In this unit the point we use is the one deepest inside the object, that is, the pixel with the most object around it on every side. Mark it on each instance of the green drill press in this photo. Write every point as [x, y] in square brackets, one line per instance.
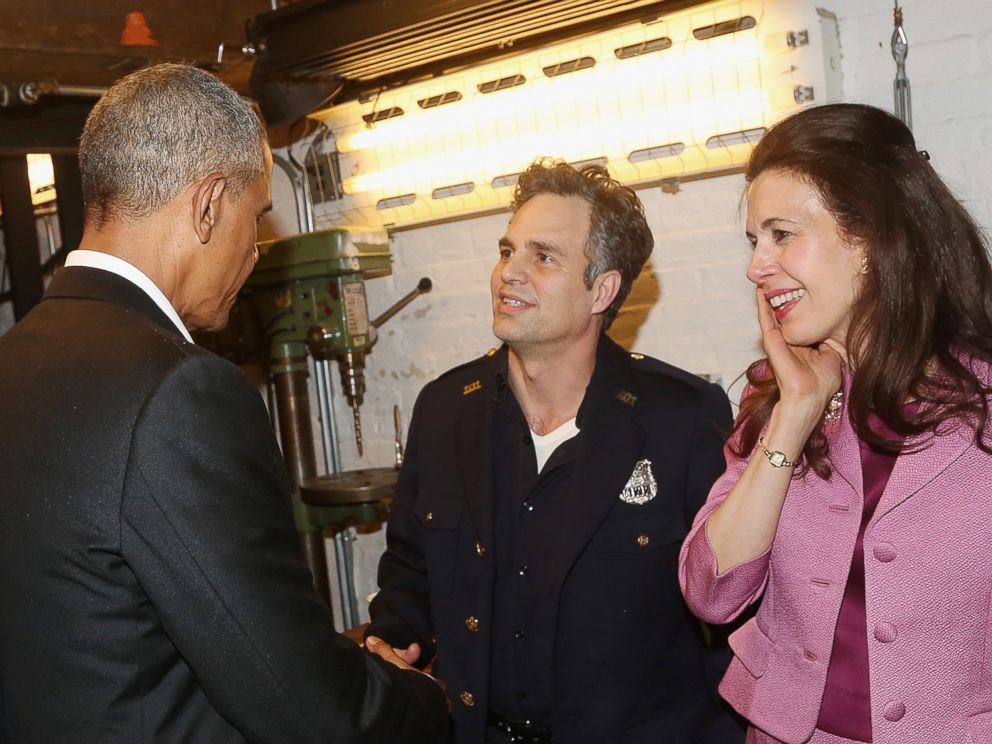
[307, 294]
[308, 290]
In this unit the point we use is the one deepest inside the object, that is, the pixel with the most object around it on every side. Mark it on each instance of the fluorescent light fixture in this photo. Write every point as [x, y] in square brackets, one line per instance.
[689, 93]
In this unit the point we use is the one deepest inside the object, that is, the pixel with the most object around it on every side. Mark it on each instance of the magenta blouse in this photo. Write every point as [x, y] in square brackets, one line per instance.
[846, 706]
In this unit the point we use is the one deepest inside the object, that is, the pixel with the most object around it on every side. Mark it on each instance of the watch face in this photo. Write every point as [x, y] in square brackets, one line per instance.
[776, 458]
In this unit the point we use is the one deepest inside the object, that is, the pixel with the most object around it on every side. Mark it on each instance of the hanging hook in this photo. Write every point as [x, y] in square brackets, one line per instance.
[900, 87]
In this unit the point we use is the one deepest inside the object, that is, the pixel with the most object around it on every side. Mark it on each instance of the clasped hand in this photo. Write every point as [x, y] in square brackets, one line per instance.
[402, 658]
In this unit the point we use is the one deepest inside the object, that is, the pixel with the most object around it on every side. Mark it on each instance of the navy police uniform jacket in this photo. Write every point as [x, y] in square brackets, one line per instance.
[630, 663]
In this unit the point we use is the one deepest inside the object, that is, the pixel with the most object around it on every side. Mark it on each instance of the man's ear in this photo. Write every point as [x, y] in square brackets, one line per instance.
[605, 288]
[206, 205]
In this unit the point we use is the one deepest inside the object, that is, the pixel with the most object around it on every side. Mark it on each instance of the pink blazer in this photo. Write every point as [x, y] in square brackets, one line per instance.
[928, 591]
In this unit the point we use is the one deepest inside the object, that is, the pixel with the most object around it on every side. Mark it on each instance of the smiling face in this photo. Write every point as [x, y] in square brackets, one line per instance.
[539, 294]
[807, 272]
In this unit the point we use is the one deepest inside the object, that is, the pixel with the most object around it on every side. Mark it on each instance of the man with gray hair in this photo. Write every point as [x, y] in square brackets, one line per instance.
[153, 588]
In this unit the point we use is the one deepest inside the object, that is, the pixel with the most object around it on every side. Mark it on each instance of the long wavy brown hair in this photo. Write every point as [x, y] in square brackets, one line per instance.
[924, 311]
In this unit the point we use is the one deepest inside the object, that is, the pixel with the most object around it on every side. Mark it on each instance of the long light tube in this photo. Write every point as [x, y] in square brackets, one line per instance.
[721, 74]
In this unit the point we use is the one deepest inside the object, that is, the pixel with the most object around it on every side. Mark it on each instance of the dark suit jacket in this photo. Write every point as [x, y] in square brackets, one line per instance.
[153, 588]
[629, 662]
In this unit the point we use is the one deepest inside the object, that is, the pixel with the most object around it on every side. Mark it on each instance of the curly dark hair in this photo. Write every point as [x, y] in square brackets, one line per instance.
[619, 236]
[924, 312]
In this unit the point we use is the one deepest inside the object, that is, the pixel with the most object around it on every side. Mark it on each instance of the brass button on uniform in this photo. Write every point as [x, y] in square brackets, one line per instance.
[472, 623]
[643, 540]
[481, 550]
[428, 516]
[467, 699]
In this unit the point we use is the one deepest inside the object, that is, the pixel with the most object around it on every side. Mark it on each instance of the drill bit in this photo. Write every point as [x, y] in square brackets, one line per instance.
[358, 426]
[351, 364]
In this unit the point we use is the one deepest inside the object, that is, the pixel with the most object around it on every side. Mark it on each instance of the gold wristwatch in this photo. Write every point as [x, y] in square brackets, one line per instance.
[776, 458]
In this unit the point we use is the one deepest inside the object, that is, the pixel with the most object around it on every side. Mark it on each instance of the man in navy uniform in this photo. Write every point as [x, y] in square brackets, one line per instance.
[534, 537]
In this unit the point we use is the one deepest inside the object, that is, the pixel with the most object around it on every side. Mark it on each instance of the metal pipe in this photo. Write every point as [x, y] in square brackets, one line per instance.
[301, 214]
[30, 92]
[296, 434]
[294, 424]
[347, 610]
[305, 184]
[328, 425]
[349, 564]
[83, 91]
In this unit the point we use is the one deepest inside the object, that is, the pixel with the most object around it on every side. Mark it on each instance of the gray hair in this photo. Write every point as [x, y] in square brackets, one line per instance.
[159, 129]
[619, 236]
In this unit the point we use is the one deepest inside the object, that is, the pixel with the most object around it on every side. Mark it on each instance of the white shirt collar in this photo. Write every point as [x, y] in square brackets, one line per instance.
[115, 265]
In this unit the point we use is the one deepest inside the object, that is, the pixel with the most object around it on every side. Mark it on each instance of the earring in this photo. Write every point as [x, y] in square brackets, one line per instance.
[832, 412]
[864, 264]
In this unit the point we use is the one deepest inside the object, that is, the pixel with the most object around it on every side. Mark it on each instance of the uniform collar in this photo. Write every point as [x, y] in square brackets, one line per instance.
[611, 377]
[612, 382]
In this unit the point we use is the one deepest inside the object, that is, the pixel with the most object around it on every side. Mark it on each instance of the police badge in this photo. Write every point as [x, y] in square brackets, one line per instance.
[642, 487]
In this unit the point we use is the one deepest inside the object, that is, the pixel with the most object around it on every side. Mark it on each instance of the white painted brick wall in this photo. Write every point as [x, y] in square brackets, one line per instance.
[692, 305]
[950, 71]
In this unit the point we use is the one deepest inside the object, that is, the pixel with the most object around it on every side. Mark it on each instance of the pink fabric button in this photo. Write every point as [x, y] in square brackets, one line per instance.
[885, 632]
[894, 711]
[884, 552]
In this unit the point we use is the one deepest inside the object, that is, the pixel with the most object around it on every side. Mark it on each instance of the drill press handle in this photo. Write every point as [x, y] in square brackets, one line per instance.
[423, 287]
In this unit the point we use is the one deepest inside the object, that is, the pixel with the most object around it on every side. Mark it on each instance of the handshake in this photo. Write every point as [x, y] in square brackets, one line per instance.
[403, 658]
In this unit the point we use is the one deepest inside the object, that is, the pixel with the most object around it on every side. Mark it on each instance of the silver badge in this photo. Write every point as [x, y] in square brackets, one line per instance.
[642, 487]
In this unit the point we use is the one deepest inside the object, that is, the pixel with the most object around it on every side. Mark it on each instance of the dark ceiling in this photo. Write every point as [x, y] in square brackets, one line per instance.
[309, 51]
[78, 42]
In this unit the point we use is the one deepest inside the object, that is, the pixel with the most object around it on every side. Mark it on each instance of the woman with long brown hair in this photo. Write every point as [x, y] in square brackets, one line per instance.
[857, 501]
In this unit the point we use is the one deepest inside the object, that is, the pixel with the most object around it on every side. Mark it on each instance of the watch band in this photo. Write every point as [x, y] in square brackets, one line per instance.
[776, 458]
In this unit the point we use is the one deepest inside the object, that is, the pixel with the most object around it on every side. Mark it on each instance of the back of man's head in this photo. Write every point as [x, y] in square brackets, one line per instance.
[619, 236]
[158, 130]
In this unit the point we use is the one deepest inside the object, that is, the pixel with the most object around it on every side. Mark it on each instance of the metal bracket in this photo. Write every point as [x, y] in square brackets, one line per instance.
[803, 93]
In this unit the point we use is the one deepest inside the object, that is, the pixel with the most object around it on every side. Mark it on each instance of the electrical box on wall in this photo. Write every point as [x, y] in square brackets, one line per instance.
[686, 93]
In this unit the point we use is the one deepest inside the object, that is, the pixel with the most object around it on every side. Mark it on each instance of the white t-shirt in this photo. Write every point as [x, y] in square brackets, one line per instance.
[545, 445]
